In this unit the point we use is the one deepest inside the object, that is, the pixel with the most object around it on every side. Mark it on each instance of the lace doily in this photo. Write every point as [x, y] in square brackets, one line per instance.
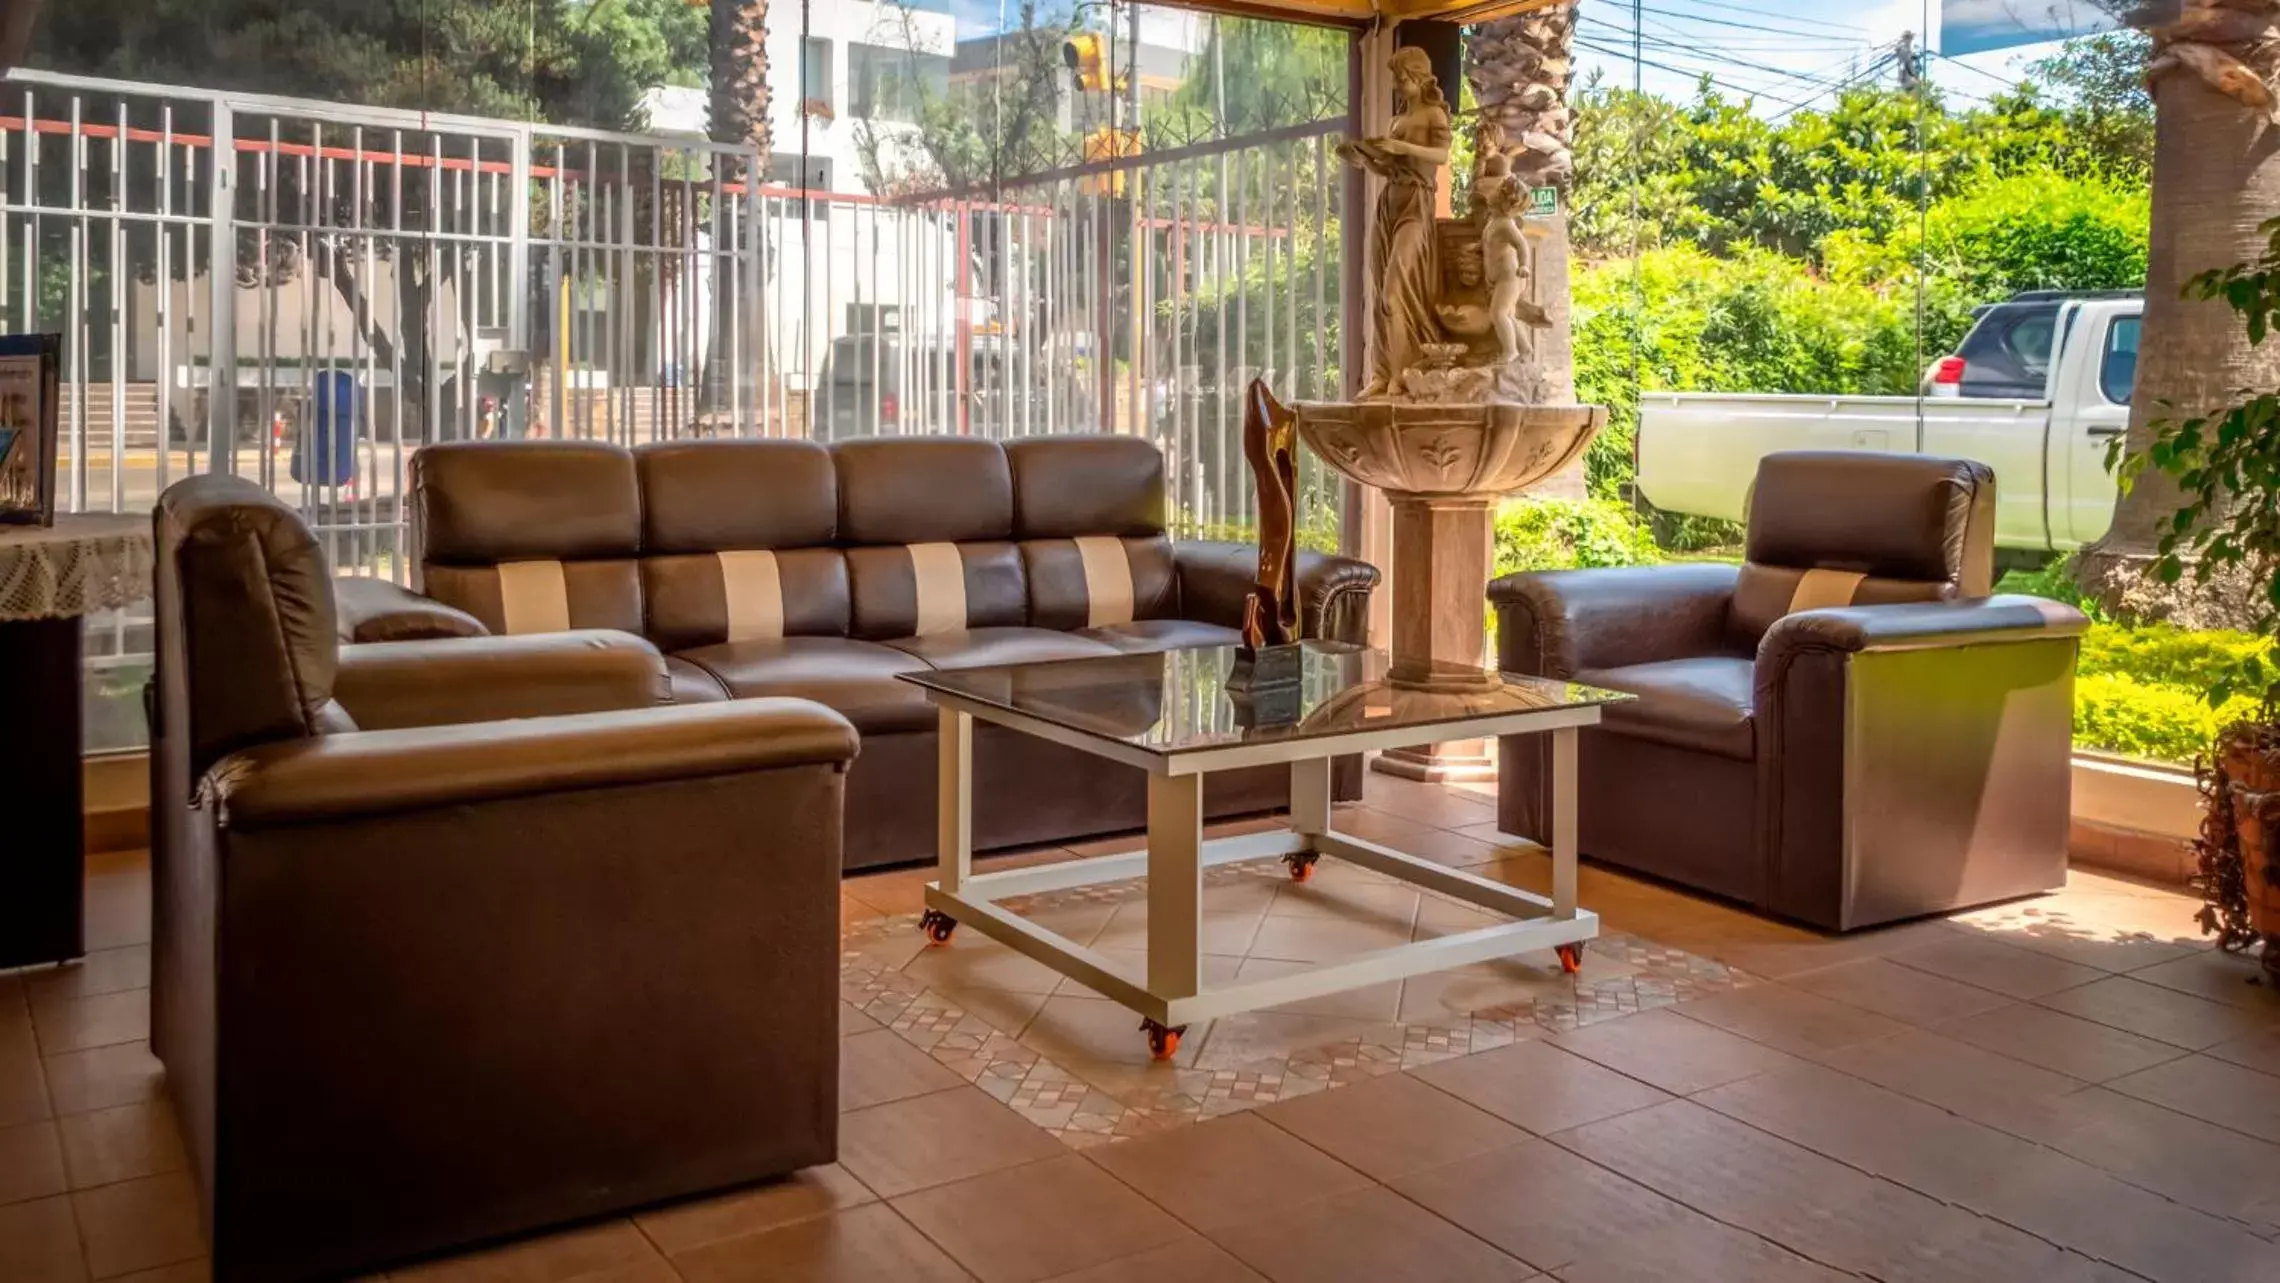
[84, 563]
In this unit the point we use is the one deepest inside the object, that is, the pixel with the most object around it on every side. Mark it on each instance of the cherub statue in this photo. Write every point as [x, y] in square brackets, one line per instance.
[1504, 255]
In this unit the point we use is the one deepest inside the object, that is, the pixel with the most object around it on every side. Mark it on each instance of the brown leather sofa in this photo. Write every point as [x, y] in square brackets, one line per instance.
[1846, 730]
[453, 940]
[778, 567]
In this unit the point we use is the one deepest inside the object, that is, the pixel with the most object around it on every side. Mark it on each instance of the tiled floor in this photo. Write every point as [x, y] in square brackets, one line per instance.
[2069, 1089]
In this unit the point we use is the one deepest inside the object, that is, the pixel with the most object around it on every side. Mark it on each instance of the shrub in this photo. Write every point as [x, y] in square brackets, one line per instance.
[2117, 713]
[1570, 534]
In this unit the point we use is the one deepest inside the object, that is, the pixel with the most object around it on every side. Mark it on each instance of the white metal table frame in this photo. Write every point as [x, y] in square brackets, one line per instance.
[1172, 994]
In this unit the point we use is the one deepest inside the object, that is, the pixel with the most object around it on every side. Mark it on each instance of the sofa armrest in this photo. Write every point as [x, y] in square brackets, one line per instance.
[1918, 626]
[1557, 623]
[1333, 591]
[376, 610]
[396, 685]
[361, 773]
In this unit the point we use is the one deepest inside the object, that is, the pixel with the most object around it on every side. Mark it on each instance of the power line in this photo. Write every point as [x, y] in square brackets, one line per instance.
[1744, 9]
[1695, 74]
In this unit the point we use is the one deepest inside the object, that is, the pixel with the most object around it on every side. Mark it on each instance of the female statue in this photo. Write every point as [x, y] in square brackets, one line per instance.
[1402, 258]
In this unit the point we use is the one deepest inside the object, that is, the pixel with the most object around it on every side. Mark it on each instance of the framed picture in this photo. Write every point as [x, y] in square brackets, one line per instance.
[29, 367]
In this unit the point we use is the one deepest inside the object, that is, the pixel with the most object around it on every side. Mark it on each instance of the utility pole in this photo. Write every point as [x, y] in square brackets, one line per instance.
[1911, 66]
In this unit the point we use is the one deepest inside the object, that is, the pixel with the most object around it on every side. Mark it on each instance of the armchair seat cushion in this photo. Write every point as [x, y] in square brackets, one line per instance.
[1706, 703]
[855, 677]
[990, 647]
[1149, 636]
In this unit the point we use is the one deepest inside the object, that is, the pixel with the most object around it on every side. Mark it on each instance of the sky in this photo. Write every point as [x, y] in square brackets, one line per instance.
[1786, 53]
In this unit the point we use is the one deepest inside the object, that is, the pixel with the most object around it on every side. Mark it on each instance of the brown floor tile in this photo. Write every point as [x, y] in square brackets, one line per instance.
[117, 913]
[1195, 1260]
[862, 1245]
[911, 1144]
[31, 1162]
[2013, 972]
[1542, 1204]
[2212, 1090]
[104, 971]
[1365, 1237]
[75, 1024]
[2258, 1051]
[1667, 1050]
[1955, 1076]
[1441, 995]
[39, 1243]
[1777, 951]
[1428, 803]
[878, 1067]
[1336, 891]
[1903, 993]
[852, 1022]
[1540, 1087]
[101, 1077]
[1391, 1126]
[139, 1224]
[23, 1088]
[1084, 1032]
[1262, 1035]
[1309, 939]
[1425, 841]
[2231, 978]
[1034, 1222]
[2106, 950]
[2202, 1165]
[2181, 1019]
[1699, 1250]
[1819, 1208]
[611, 1249]
[2071, 1203]
[1788, 1019]
[2073, 1046]
[1379, 1003]
[1228, 1171]
[818, 1191]
[974, 961]
[1227, 934]
[897, 891]
[121, 1143]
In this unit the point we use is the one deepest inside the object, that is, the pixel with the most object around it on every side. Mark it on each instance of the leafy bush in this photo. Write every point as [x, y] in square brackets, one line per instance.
[1569, 534]
[2117, 713]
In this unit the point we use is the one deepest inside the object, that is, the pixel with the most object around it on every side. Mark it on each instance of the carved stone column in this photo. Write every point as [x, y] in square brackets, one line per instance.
[1442, 551]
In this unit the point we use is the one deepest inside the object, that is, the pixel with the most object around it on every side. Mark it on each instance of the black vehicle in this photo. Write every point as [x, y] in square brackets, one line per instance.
[2008, 352]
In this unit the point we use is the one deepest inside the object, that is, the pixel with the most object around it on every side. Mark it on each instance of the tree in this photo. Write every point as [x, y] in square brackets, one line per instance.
[2216, 178]
[737, 38]
[2109, 103]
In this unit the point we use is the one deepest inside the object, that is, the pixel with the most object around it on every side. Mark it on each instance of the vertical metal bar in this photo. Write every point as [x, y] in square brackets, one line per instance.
[1175, 885]
[221, 307]
[163, 165]
[118, 305]
[954, 800]
[1564, 742]
[75, 314]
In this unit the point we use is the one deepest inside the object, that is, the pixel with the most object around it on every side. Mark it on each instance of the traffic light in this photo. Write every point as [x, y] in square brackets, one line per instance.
[1108, 144]
[1083, 55]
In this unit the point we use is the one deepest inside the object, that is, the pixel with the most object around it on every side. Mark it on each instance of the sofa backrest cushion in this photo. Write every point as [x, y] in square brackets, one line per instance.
[1064, 487]
[1831, 528]
[923, 490]
[913, 590]
[1091, 581]
[531, 536]
[739, 542]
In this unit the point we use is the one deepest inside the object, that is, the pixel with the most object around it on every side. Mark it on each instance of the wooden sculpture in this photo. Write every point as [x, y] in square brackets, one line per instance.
[1270, 444]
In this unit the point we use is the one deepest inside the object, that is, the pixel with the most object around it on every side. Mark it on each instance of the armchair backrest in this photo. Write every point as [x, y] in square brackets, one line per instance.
[247, 643]
[1833, 528]
[530, 536]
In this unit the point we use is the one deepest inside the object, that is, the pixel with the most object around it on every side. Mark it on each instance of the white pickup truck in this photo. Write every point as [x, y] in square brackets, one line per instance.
[1698, 452]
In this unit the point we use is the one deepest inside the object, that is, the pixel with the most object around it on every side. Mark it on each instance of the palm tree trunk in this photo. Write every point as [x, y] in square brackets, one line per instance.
[1520, 68]
[738, 35]
[2216, 178]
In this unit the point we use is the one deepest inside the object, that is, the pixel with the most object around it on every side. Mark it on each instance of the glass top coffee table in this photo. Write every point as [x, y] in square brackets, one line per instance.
[1171, 715]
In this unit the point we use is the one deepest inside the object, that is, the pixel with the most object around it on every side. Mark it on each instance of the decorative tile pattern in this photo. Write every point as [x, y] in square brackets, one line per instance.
[1275, 1057]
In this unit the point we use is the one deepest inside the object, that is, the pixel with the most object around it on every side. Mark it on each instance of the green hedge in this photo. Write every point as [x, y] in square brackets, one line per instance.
[1570, 534]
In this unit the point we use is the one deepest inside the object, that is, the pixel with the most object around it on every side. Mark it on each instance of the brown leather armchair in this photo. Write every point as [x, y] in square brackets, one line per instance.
[456, 939]
[1846, 730]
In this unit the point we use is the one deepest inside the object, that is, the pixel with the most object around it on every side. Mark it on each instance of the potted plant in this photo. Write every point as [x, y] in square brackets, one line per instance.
[2227, 466]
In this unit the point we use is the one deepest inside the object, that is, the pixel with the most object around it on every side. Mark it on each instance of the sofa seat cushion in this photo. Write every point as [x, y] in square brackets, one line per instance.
[1707, 703]
[858, 678]
[990, 647]
[1148, 636]
[692, 684]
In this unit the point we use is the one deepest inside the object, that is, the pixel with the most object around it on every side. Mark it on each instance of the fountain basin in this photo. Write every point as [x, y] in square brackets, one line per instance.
[1447, 451]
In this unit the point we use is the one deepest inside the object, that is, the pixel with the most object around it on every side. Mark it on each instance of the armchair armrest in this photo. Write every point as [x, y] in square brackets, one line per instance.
[1557, 623]
[1918, 626]
[394, 685]
[376, 610]
[1333, 591]
[361, 773]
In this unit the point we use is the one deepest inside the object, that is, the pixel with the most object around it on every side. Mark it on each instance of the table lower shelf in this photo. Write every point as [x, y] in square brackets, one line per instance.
[1538, 925]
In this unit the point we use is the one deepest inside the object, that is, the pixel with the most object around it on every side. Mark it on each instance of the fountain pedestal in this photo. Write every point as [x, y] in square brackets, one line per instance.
[1444, 468]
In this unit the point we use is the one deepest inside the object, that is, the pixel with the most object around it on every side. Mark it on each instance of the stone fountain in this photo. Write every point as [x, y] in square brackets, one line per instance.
[1453, 417]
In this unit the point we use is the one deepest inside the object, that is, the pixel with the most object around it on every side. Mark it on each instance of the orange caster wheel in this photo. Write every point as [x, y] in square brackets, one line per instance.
[1163, 1042]
[1301, 865]
[938, 926]
[1571, 958]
